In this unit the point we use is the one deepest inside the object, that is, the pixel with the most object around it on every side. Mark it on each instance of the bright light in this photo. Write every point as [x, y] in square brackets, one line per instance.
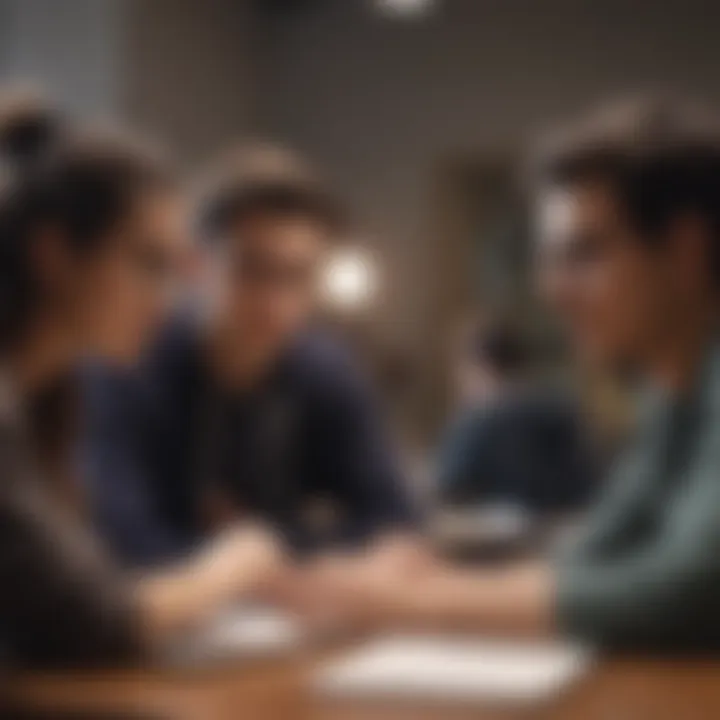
[405, 8]
[349, 280]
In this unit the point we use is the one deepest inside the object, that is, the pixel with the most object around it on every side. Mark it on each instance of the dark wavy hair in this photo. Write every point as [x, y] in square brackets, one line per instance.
[80, 182]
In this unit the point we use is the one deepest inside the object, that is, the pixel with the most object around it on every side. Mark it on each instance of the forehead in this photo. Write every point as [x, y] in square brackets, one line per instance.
[162, 215]
[566, 211]
[277, 232]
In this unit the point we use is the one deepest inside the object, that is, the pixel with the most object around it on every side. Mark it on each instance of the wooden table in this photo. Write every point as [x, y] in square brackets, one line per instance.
[278, 690]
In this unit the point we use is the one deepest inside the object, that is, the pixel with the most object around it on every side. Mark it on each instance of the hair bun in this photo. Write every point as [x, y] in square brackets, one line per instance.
[29, 128]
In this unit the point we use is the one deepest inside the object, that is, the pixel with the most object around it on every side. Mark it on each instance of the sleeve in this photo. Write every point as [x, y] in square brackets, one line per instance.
[655, 593]
[621, 501]
[351, 459]
[61, 604]
[115, 465]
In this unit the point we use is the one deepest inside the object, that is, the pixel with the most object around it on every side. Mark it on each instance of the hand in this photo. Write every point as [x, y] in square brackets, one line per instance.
[239, 562]
[352, 598]
[516, 600]
[245, 557]
[352, 590]
[391, 558]
[400, 555]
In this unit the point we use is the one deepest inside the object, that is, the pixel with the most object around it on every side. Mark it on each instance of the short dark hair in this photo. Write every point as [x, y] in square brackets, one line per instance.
[500, 345]
[659, 155]
[264, 179]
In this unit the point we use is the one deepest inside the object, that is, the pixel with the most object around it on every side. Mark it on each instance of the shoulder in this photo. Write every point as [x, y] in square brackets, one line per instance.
[169, 360]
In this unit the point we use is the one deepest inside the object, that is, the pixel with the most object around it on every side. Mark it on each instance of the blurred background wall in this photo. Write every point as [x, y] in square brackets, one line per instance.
[405, 114]
[72, 47]
[391, 106]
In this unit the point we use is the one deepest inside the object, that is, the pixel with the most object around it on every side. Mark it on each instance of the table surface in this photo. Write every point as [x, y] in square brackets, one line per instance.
[621, 689]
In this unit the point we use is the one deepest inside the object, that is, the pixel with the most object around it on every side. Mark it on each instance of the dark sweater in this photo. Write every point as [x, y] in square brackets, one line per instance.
[160, 437]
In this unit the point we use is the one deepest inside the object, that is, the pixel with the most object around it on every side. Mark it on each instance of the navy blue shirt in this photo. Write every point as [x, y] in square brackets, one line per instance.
[303, 450]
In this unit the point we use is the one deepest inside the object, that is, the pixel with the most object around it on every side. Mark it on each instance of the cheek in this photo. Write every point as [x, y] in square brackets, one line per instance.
[123, 312]
[272, 315]
[293, 308]
[278, 311]
[568, 291]
[611, 306]
[591, 298]
[632, 297]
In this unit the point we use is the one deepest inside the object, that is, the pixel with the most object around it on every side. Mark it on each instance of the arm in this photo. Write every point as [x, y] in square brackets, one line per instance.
[618, 508]
[350, 458]
[517, 601]
[63, 604]
[659, 592]
[237, 563]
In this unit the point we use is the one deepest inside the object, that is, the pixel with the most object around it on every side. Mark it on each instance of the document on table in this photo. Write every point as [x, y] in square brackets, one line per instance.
[457, 670]
[243, 632]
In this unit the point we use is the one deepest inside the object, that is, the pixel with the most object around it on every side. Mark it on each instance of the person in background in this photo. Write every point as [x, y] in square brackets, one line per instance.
[629, 217]
[242, 409]
[88, 239]
[513, 443]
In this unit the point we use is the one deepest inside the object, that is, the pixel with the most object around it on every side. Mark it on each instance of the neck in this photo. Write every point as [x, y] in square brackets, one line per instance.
[674, 363]
[234, 361]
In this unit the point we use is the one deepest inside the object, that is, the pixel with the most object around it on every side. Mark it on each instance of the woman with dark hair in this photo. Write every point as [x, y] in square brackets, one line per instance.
[89, 234]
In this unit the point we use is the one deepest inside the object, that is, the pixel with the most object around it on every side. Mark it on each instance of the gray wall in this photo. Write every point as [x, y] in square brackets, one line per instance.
[188, 72]
[5, 35]
[177, 68]
[70, 47]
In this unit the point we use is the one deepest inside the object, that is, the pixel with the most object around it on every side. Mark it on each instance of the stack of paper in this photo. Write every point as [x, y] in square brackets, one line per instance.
[450, 669]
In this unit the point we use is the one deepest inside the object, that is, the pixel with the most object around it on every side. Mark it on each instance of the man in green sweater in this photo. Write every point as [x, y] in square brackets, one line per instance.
[628, 208]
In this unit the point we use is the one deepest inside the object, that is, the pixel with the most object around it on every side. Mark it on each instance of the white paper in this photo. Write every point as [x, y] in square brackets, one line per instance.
[452, 669]
[243, 632]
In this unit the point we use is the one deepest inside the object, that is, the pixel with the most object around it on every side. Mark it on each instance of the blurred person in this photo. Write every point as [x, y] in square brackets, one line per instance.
[629, 212]
[513, 442]
[242, 408]
[88, 237]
